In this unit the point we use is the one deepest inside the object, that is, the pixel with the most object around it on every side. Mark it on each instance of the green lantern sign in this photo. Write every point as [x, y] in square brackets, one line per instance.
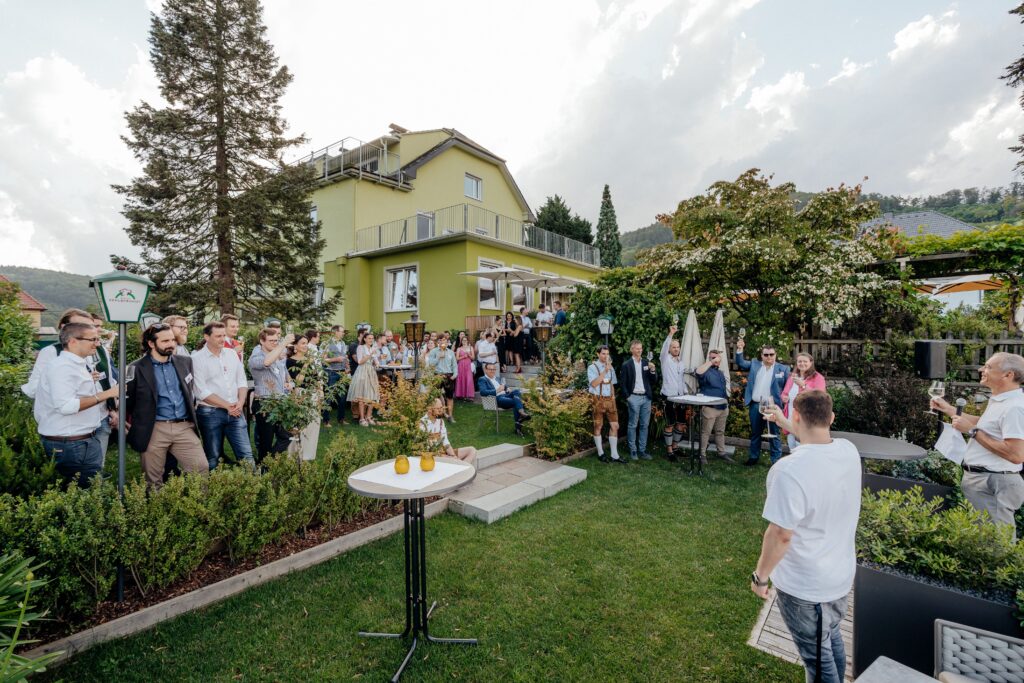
[122, 295]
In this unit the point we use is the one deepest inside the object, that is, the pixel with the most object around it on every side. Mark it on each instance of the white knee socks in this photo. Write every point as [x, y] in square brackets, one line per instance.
[600, 448]
[613, 441]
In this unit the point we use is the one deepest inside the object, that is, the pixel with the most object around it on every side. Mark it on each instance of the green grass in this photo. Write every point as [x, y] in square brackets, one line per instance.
[638, 573]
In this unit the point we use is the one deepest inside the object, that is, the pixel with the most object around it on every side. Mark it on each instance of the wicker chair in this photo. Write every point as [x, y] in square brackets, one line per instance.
[490, 404]
[964, 653]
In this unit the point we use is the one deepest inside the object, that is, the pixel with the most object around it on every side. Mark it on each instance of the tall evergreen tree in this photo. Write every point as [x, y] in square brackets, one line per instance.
[220, 219]
[608, 233]
[1014, 78]
[556, 217]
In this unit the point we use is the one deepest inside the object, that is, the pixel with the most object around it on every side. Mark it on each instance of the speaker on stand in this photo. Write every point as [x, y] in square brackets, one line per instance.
[930, 363]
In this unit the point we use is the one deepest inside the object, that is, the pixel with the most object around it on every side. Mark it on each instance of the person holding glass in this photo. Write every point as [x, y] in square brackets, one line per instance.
[805, 377]
[765, 380]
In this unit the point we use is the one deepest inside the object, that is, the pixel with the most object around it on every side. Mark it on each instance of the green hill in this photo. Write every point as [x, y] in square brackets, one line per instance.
[54, 289]
[643, 238]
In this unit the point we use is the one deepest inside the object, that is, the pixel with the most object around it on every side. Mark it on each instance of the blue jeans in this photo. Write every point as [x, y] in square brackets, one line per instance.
[215, 424]
[82, 457]
[801, 619]
[511, 400]
[757, 428]
[639, 418]
[333, 377]
[103, 436]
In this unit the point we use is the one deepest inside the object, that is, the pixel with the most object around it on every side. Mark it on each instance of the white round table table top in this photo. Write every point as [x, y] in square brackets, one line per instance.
[698, 400]
[438, 488]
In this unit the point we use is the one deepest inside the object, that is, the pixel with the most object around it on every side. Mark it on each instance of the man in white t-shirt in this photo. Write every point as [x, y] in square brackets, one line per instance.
[992, 464]
[809, 549]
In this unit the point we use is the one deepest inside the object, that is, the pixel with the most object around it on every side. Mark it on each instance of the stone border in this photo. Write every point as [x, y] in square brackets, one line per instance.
[148, 617]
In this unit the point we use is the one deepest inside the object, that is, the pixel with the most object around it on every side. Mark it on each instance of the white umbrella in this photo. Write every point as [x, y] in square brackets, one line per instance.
[544, 282]
[717, 341]
[503, 274]
[692, 351]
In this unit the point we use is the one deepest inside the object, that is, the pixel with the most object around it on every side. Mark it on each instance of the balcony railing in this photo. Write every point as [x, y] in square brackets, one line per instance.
[473, 220]
[353, 157]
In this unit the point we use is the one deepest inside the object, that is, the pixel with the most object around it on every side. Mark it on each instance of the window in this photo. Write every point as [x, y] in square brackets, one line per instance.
[490, 291]
[521, 296]
[474, 187]
[402, 287]
[313, 230]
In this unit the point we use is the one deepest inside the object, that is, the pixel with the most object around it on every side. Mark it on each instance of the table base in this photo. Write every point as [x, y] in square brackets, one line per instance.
[417, 614]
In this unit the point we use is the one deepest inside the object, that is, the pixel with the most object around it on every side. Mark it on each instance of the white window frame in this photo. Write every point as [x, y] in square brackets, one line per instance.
[528, 291]
[546, 298]
[479, 186]
[415, 265]
[499, 288]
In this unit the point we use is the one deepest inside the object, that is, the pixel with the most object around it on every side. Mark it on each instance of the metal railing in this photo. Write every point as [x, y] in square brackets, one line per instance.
[354, 157]
[473, 220]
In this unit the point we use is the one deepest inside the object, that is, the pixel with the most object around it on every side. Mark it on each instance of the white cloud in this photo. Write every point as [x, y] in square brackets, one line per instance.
[775, 102]
[849, 69]
[20, 246]
[925, 31]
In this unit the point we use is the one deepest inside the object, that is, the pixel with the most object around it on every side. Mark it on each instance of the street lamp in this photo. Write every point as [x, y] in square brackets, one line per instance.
[122, 296]
[605, 326]
[542, 334]
[415, 330]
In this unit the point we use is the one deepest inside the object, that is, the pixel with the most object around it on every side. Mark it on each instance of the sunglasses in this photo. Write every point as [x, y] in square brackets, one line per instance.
[767, 355]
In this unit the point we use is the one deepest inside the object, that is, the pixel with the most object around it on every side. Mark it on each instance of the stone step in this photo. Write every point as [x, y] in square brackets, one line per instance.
[495, 455]
[511, 486]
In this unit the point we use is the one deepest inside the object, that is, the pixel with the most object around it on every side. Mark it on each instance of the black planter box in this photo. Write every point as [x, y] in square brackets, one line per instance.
[895, 616]
[880, 482]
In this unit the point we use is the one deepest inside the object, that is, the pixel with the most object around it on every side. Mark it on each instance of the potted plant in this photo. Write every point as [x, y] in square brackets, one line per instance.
[919, 562]
[298, 411]
[936, 476]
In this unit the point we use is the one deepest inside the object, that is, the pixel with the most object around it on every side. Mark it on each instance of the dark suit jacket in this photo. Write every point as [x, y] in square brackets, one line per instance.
[780, 373]
[142, 398]
[627, 378]
[484, 386]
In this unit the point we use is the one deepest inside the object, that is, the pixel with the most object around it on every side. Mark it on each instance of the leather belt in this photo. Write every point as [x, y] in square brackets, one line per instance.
[80, 437]
[639, 393]
[177, 419]
[981, 470]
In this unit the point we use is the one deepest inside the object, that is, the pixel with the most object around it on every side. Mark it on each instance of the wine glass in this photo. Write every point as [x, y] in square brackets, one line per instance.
[129, 374]
[765, 408]
[936, 390]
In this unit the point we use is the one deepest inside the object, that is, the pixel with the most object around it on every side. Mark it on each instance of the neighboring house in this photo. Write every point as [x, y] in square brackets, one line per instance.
[919, 223]
[405, 213]
[30, 306]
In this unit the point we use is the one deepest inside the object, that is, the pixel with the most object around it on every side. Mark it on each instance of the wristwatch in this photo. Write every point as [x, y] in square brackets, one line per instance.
[971, 432]
[756, 580]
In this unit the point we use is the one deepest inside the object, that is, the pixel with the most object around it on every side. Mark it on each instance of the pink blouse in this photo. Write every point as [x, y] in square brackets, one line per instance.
[815, 382]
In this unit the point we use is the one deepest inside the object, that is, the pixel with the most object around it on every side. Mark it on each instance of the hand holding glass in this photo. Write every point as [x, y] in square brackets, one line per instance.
[766, 407]
[936, 390]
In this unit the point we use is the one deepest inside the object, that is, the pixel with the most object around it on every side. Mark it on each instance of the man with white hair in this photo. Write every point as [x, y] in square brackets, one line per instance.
[991, 479]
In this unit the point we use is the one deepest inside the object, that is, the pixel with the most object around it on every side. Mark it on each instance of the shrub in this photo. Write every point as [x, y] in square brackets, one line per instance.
[25, 469]
[561, 423]
[167, 532]
[892, 406]
[902, 529]
[16, 336]
[405, 403]
[243, 510]
[17, 581]
[341, 458]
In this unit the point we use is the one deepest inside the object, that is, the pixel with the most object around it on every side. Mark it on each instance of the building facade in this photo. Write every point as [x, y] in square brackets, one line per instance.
[404, 214]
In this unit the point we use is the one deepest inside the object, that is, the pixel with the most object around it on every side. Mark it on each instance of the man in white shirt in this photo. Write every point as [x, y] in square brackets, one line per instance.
[221, 389]
[49, 353]
[601, 381]
[991, 480]
[673, 383]
[544, 316]
[70, 405]
[808, 550]
[433, 424]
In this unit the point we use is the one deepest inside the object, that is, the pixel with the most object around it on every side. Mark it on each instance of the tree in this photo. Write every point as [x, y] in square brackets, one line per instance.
[608, 233]
[743, 244]
[555, 216]
[1014, 78]
[220, 219]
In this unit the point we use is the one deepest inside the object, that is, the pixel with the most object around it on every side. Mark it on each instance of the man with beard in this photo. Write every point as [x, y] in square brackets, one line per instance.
[161, 407]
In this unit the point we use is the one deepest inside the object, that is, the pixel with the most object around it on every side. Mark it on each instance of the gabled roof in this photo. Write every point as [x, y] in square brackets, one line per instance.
[919, 223]
[26, 301]
[457, 139]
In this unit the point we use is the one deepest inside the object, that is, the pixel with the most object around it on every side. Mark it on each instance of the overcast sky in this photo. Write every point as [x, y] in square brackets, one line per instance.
[657, 98]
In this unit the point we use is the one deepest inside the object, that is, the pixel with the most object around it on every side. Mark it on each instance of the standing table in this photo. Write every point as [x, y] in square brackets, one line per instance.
[696, 467]
[881, 448]
[379, 480]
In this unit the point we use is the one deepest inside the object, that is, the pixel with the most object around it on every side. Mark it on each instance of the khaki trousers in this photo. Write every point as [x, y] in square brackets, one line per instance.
[1000, 495]
[712, 421]
[181, 439]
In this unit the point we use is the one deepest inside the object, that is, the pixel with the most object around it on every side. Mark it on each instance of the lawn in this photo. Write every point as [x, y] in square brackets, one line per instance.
[639, 573]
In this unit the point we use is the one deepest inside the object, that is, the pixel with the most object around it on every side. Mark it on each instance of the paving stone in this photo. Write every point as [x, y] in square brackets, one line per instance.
[558, 479]
[501, 504]
[528, 466]
[478, 488]
[506, 478]
[495, 455]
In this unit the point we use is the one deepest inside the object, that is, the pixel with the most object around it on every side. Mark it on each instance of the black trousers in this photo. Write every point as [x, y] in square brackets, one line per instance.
[270, 437]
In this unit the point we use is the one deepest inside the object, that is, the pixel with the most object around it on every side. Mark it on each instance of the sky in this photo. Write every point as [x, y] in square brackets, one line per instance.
[656, 98]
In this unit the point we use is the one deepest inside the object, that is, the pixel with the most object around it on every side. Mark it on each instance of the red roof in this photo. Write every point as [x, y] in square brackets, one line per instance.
[26, 300]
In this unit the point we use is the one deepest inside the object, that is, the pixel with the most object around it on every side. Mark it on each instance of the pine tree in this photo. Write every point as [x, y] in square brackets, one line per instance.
[555, 216]
[1014, 78]
[221, 221]
[608, 233]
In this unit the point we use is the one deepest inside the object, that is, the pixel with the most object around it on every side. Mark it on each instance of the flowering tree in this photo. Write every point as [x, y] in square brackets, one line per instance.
[743, 244]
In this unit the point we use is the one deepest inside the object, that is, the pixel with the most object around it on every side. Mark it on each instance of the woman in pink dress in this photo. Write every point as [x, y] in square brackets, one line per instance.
[805, 377]
[464, 388]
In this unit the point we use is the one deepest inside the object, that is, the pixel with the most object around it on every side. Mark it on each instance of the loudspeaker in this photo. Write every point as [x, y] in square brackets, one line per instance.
[930, 359]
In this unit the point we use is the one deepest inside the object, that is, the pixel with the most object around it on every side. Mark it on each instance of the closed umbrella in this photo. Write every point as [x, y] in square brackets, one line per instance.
[717, 342]
[692, 351]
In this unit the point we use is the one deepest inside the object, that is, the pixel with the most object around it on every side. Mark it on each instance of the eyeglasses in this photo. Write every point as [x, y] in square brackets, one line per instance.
[180, 326]
[91, 340]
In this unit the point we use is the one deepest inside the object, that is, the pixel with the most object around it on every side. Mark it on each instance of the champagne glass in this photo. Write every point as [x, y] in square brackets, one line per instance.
[129, 374]
[675, 320]
[650, 360]
[742, 333]
[936, 390]
[765, 408]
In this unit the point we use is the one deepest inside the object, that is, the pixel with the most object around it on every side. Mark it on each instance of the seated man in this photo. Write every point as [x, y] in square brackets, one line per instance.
[491, 385]
[433, 424]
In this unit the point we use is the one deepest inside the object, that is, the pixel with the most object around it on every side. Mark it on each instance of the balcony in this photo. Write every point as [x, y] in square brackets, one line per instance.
[353, 158]
[465, 219]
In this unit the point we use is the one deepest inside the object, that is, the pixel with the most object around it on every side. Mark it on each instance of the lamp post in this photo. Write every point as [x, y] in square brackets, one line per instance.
[605, 326]
[414, 332]
[122, 296]
[542, 334]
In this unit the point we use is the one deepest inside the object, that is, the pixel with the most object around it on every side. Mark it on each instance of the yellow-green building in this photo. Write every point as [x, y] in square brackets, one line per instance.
[405, 213]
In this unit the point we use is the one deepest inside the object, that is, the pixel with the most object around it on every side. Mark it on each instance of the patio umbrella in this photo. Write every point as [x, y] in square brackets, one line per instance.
[969, 283]
[503, 274]
[717, 341]
[692, 351]
[545, 282]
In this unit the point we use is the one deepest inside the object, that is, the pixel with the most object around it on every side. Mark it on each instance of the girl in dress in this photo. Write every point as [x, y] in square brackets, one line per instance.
[365, 388]
[513, 352]
[464, 387]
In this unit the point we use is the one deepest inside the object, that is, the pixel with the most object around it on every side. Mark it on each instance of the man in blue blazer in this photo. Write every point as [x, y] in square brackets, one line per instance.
[509, 399]
[766, 377]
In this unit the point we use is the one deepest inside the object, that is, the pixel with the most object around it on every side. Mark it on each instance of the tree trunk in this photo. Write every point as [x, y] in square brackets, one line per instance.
[222, 218]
